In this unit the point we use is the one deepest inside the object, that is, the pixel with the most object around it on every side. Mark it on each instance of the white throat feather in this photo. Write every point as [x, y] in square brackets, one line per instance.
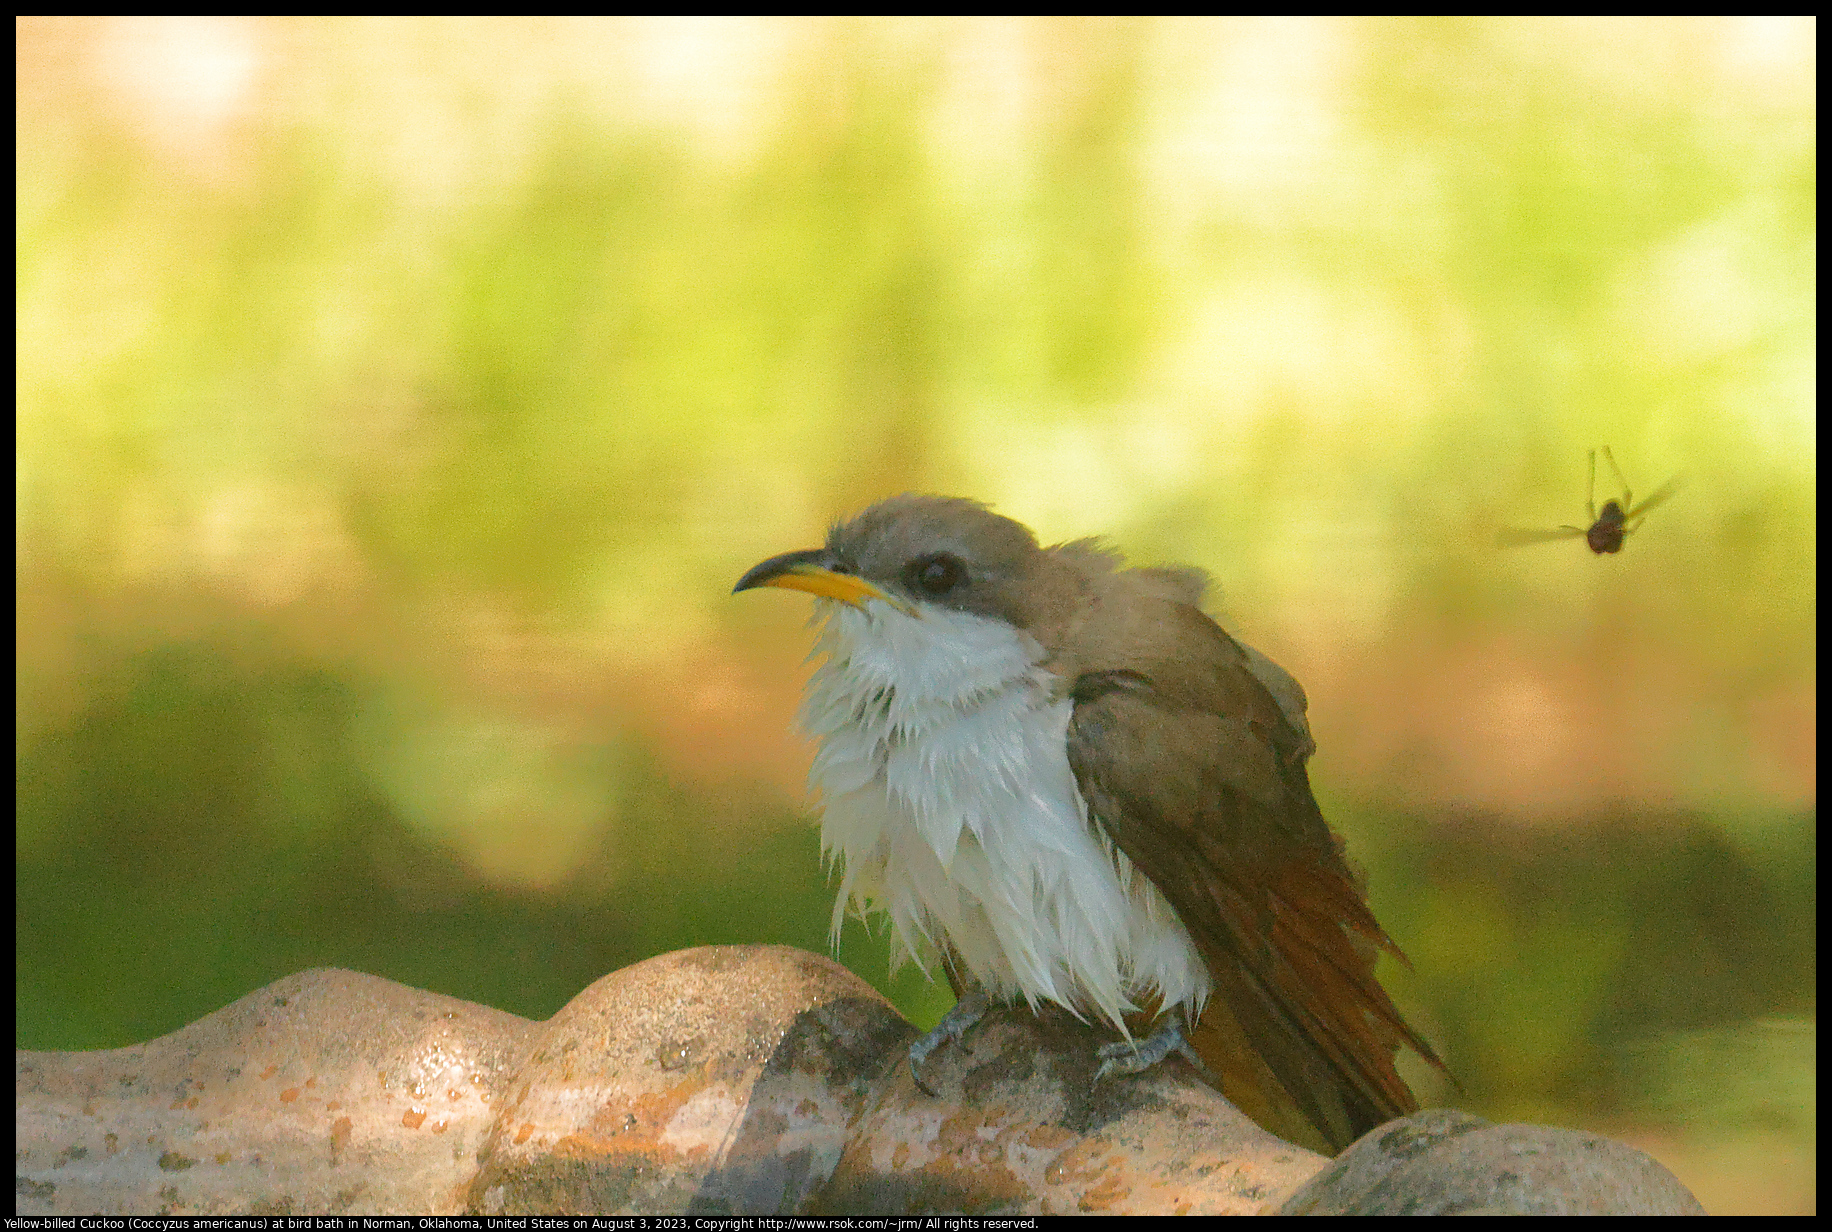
[951, 808]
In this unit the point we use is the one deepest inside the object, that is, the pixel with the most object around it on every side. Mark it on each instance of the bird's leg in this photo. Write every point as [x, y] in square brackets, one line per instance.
[967, 1011]
[1137, 1056]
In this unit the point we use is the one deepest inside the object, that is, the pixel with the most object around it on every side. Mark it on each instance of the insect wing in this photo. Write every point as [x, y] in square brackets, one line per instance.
[1513, 537]
[1666, 491]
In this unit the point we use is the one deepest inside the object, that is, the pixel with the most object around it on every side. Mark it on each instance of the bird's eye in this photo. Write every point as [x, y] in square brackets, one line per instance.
[935, 575]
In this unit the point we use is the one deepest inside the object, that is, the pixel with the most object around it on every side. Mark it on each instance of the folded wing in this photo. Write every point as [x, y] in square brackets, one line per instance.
[1198, 775]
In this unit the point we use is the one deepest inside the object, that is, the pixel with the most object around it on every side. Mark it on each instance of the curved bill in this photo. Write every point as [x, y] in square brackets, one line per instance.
[813, 570]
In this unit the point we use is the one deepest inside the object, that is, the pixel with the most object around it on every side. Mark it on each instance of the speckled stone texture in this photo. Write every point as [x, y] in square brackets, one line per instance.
[723, 1080]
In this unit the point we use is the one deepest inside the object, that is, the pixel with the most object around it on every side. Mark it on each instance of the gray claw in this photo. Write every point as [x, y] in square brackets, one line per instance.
[954, 1024]
[1137, 1056]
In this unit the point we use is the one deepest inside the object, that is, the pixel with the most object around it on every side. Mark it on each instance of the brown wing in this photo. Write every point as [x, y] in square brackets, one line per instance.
[1193, 770]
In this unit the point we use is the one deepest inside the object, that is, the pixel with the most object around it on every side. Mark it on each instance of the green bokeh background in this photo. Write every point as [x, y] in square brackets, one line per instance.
[400, 398]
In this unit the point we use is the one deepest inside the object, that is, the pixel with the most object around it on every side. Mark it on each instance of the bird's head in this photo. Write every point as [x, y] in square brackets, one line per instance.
[921, 553]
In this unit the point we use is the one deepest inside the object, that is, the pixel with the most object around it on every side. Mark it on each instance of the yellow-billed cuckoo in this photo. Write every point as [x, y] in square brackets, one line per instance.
[1062, 778]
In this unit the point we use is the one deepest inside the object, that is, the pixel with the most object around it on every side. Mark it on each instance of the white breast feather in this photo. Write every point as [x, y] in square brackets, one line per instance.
[951, 808]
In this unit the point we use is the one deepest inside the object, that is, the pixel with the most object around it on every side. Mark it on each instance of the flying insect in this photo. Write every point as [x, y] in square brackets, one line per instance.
[1607, 529]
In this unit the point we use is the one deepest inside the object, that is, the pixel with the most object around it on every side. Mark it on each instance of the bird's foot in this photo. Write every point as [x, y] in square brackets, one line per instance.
[1137, 1056]
[955, 1023]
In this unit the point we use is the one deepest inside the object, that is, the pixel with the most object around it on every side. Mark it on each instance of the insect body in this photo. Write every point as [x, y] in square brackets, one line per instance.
[1607, 528]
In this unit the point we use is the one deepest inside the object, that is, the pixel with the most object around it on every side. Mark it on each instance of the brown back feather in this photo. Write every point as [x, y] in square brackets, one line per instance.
[1189, 765]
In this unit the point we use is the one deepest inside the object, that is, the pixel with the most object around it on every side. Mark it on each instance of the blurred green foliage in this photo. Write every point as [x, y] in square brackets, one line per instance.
[205, 826]
[381, 420]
